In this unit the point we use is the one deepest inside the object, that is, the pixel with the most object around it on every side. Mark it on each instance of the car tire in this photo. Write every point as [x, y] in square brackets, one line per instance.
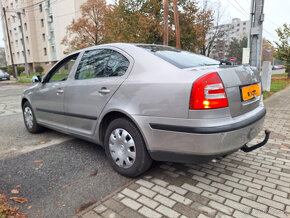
[29, 119]
[126, 149]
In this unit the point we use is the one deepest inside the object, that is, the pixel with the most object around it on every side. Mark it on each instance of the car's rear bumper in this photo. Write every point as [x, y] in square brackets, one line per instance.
[183, 141]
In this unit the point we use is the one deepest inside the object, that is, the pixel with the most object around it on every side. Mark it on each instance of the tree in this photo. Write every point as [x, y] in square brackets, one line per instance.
[87, 30]
[212, 32]
[283, 46]
[236, 49]
[268, 51]
[3, 61]
[138, 21]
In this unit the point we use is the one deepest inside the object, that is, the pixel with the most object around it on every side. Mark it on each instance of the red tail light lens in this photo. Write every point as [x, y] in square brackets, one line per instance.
[208, 92]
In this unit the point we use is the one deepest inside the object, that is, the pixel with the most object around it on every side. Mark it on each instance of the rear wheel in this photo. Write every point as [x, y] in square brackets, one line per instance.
[29, 119]
[125, 148]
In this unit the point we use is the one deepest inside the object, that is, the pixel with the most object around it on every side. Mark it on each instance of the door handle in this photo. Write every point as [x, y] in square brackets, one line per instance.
[104, 91]
[59, 91]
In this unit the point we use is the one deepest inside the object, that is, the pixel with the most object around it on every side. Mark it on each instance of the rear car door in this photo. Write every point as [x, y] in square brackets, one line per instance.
[48, 99]
[99, 74]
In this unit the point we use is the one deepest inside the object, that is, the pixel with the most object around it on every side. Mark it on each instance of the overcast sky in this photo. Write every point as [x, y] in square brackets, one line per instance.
[277, 12]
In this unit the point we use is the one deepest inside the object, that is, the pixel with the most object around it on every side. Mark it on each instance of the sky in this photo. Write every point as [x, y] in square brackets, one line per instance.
[277, 12]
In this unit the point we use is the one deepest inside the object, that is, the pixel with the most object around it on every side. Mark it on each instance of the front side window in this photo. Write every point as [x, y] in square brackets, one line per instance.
[63, 70]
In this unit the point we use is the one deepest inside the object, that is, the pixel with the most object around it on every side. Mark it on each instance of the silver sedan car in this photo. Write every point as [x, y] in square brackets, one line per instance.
[4, 75]
[149, 102]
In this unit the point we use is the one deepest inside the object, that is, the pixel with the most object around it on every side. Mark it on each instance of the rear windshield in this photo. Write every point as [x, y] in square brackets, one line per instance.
[179, 58]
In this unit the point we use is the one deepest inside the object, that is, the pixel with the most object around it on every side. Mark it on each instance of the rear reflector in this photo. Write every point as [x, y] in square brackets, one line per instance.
[208, 93]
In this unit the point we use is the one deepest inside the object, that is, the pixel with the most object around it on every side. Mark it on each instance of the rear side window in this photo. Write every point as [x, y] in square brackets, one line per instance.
[93, 64]
[179, 58]
[101, 63]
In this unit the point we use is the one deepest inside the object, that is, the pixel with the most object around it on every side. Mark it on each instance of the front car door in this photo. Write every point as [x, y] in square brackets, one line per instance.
[98, 76]
[48, 99]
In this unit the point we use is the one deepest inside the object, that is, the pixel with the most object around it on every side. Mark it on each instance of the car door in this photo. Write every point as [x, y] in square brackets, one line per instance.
[98, 76]
[48, 99]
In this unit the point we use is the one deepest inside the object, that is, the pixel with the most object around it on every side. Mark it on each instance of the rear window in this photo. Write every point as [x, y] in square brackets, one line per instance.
[179, 58]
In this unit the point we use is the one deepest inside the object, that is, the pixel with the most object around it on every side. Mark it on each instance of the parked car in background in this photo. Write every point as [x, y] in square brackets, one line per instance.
[149, 102]
[4, 75]
[278, 67]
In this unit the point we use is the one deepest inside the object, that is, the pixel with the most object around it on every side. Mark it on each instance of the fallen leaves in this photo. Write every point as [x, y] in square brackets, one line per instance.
[37, 161]
[7, 211]
[94, 173]
[14, 191]
[285, 146]
[19, 200]
[85, 206]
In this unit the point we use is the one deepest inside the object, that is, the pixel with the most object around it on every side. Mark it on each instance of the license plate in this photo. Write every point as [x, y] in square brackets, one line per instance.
[250, 92]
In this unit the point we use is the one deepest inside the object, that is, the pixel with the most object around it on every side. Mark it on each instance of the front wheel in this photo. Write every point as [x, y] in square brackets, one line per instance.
[125, 148]
[29, 119]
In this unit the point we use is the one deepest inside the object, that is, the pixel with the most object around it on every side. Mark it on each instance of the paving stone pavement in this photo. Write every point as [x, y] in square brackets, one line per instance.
[255, 184]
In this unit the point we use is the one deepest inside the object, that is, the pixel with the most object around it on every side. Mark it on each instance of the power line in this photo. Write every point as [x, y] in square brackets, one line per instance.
[241, 7]
[237, 8]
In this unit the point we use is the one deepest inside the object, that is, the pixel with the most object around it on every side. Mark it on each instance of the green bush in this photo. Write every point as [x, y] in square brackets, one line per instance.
[39, 69]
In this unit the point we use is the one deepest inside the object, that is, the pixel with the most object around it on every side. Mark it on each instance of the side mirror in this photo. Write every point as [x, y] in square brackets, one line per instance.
[36, 79]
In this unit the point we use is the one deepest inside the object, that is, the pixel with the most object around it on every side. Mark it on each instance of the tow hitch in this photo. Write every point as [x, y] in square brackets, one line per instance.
[245, 148]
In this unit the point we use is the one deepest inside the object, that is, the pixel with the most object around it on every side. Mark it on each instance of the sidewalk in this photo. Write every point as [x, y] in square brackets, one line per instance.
[255, 184]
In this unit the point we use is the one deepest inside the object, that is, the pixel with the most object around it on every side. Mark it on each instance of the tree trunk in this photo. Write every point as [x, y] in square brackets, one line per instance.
[165, 34]
[176, 22]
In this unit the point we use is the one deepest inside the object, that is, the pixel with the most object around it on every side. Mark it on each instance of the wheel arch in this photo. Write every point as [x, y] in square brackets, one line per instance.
[23, 101]
[109, 117]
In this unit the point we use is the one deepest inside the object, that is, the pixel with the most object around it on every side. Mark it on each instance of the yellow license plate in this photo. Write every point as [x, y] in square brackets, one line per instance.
[250, 92]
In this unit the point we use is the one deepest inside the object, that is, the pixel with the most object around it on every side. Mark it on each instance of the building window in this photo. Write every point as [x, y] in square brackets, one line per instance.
[23, 11]
[11, 5]
[14, 19]
[244, 23]
[10, 32]
[15, 31]
[42, 22]
[238, 30]
[16, 2]
[45, 51]
[40, 7]
[244, 28]
[25, 26]
[18, 55]
[16, 42]
[238, 24]
[9, 21]
[28, 52]
[43, 37]
[27, 40]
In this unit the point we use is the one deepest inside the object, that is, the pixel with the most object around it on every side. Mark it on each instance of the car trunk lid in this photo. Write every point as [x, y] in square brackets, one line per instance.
[235, 79]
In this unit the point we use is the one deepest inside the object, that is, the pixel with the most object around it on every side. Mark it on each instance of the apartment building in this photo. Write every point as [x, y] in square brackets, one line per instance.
[237, 29]
[44, 26]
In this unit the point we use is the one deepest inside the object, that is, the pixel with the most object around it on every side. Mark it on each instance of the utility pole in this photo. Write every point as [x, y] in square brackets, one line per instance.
[256, 30]
[9, 43]
[165, 36]
[176, 21]
[23, 43]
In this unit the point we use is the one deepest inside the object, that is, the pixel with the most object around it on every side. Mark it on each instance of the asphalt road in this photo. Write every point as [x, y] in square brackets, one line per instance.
[56, 173]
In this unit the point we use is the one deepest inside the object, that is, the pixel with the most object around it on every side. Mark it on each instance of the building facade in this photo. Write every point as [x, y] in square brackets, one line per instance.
[44, 25]
[237, 29]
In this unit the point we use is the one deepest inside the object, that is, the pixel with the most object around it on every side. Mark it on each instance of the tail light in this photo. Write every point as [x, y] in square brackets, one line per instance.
[208, 92]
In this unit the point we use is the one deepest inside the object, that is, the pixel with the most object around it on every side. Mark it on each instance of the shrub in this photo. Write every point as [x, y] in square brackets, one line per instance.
[39, 69]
